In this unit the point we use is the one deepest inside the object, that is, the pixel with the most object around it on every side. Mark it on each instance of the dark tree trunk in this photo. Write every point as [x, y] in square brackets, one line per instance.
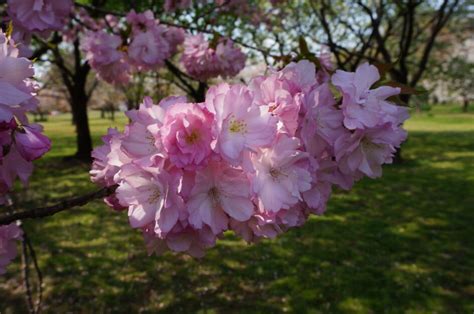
[465, 105]
[83, 139]
[76, 83]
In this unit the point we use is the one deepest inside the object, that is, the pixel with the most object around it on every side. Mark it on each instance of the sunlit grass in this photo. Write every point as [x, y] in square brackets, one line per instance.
[403, 243]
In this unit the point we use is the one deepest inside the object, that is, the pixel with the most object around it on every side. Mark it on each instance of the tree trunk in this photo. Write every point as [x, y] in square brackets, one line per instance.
[83, 139]
[465, 105]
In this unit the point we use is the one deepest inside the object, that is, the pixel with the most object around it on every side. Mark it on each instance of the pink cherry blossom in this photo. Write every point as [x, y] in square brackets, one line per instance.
[13, 166]
[9, 235]
[102, 171]
[16, 71]
[322, 123]
[182, 239]
[104, 55]
[173, 5]
[361, 106]
[142, 139]
[152, 198]
[241, 125]
[204, 62]
[275, 93]
[219, 192]
[149, 49]
[269, 224]
[301, 76]
[230, 58]
[317, 197]
[21, 142]
[364, 151]
[255, 159]
[113, 202]
[281, 174]
[22, 39]
[39, 15]
[187, 134]
[141, 22]
[30, 142]
[102, 48]
[198, 59]
[174, 36]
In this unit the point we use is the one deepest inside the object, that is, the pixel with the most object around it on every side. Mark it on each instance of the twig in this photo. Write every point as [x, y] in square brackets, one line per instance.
[26, 276]
[38, 273]
[61, 206]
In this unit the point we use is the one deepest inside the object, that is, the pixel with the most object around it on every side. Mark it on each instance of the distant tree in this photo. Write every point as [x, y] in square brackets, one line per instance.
[399, 35]
[459, 74]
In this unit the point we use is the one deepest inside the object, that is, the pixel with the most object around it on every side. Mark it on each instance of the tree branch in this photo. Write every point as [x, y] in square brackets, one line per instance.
[443, 17]
[61, 206]
[179, 75]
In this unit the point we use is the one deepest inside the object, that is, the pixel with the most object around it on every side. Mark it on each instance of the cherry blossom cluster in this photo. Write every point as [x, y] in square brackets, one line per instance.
[145, 48]
[202, 61]
[9, 235]
[39, 16]
[173, 5]
[236, 6]
[36, 16]
[257, 159]
[21, 142]
[82, 22]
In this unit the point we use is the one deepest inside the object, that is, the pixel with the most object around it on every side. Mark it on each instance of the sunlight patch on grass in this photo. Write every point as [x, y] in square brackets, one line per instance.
[353, 305]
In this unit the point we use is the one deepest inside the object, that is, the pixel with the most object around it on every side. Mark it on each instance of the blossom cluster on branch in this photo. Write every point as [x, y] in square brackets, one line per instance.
[202, 61]
[39, 17]
[257, 159]
[147, 44]
[21, 142]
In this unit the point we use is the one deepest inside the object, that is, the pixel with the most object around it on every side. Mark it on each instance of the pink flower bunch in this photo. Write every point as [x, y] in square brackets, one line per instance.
[40, 16]
[21, 142]
[146, 48]
[173, 5]
[242, 6]
[203, 62]
[83, 22]
[256, 159]
[105, 54]
[9, 234]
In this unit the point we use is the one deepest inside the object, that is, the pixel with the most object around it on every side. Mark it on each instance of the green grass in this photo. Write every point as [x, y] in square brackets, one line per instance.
[401, 244]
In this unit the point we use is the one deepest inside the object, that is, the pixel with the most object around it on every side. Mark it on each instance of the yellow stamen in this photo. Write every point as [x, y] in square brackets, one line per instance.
[192, 138]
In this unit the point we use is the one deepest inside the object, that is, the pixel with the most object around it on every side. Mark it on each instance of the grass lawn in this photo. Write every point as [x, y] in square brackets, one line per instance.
[401, 244]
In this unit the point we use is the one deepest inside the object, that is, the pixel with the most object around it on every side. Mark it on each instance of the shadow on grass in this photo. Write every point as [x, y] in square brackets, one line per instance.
[402, 243]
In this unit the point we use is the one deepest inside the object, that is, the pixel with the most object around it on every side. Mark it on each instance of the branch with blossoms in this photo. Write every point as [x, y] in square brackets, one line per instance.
[257, 159]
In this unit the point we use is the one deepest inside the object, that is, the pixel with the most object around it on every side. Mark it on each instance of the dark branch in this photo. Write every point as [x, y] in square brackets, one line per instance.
[59, 207]
[444, 13]
[38, 272]
[179, 75]
[26, 277]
